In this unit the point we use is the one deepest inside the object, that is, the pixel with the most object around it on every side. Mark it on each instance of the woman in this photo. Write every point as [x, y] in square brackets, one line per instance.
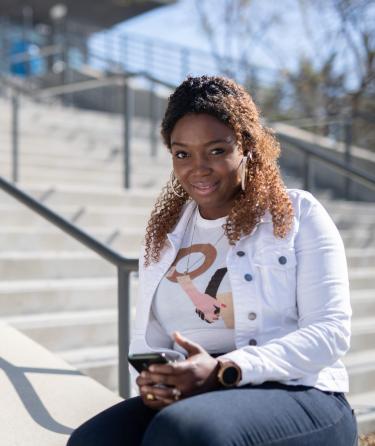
[244, 284]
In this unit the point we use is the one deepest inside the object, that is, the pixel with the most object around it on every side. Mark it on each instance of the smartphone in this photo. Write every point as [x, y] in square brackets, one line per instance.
[142, 361]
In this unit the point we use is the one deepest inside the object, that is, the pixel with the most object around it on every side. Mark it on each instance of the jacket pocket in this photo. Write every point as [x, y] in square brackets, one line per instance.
[277, 269]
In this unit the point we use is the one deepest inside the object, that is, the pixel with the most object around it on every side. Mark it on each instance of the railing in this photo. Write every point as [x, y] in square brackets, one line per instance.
[311, 152]
[121, 80]
[123, 264]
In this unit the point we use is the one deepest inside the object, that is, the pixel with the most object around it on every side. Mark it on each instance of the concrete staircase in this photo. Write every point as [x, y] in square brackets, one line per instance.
[64, 297]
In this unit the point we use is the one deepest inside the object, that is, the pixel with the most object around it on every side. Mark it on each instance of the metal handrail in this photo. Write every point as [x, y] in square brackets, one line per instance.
[125, 266]
[311, 151]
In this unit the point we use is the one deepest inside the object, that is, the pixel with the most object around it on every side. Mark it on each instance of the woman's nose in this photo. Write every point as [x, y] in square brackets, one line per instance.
[201, 164]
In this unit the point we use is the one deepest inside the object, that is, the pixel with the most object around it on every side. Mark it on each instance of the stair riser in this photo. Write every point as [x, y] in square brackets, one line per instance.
[28, 269]
[106, 374]
[45, 301]
[78, 199]
[108, 178]
[363, 307]
[77, 298]
[73, 336]
[361, 382]
[359, 241]
[61, 242]
[362, 341]
[362, 283]
[21, 218]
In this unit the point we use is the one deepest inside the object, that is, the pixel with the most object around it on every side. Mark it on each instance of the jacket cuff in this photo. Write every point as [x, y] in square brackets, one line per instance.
[250, 368]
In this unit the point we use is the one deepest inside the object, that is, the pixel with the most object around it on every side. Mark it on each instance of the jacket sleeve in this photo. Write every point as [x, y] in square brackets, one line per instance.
[323, 302]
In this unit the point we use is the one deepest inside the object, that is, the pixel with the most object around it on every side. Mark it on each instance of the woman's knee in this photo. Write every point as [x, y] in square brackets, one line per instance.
[121, 424]
[176, 424]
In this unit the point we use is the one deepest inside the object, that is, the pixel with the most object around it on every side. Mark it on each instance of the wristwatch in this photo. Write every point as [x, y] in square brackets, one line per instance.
[229, 374]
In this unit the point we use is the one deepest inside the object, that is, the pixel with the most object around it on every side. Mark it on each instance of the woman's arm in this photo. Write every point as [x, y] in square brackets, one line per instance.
[323, 305]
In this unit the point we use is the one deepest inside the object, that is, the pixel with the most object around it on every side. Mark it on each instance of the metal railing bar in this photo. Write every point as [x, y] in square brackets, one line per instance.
[341, 166]
[90, 242]
[78, 86]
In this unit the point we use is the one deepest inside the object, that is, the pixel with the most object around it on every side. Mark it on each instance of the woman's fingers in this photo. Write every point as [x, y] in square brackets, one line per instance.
[142, 380]
[165, 394]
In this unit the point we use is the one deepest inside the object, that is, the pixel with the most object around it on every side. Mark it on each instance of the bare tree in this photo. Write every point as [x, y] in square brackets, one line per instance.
[233, 33]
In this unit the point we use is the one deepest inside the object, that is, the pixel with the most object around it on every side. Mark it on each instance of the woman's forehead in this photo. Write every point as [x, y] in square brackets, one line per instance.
[201, 129]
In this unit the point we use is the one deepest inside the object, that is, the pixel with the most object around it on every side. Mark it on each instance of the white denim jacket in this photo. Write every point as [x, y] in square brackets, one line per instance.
[298, 290]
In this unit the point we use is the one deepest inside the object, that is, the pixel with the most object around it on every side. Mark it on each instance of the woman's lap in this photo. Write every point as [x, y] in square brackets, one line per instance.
[270, 414]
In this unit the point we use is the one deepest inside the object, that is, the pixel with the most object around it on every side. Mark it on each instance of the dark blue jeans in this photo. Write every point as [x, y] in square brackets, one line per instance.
[269, 414]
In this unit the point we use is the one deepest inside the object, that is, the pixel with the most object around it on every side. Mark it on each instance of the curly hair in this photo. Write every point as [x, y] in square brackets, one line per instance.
[227, 101]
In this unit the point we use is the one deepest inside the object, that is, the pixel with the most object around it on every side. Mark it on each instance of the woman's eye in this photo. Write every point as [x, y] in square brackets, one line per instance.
[181, 155]
[217, 151]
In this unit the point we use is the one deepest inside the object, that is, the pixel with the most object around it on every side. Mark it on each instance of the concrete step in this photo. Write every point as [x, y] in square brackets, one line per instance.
[137, 180]
[80, 159]
[358, 238]
[30, 297]
[43, 399]
[362, 278]
[28, 239]
[363, 334]
[363, 302]
[53, 265]
[361, 368]
[347, 222]
[84, 216]
[364, 407]
[361, 258]
[69, 330]
[100, 363]
[142, 170]
[84, 195]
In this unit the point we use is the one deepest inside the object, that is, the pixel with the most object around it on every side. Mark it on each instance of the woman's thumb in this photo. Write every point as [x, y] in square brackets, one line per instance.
[191, 347]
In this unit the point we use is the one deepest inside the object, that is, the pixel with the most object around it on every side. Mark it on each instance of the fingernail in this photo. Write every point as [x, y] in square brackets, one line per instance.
[151, 368]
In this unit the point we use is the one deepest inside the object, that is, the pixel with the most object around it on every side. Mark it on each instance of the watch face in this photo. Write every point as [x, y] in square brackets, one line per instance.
[230, 375]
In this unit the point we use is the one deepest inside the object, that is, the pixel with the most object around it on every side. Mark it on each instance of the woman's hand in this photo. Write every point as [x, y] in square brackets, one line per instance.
[196, 374]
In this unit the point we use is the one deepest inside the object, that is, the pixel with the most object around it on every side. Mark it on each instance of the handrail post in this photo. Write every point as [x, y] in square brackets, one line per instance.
[15, 125]
[153, 121]
[348, 154]
[308, 173]
[128, 109]
[123, 298]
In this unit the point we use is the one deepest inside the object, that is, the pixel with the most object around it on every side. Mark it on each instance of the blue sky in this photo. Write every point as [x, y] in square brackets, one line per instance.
[281, 47]
[179, 23]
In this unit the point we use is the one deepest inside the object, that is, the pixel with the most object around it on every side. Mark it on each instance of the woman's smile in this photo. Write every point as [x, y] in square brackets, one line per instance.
[204, 188]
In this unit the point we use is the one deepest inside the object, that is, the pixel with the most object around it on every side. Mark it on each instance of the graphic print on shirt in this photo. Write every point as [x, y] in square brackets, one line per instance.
[209, 305]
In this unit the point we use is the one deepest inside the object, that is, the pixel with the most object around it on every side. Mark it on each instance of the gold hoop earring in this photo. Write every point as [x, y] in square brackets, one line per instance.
[244, 170]
[172, 180]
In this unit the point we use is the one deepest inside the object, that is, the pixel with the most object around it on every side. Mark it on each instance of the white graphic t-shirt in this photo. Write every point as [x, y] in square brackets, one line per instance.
[195, 297]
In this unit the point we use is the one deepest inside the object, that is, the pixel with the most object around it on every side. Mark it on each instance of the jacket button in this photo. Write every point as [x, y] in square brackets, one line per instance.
[253, 342]
[248, 277]
[282, 260]
[252, 316]
[240, 253]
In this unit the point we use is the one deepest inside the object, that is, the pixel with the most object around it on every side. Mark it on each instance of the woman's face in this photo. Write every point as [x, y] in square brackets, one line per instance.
[207, 163]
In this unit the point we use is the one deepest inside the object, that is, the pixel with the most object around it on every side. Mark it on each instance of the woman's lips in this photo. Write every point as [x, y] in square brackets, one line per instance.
[205, 188]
